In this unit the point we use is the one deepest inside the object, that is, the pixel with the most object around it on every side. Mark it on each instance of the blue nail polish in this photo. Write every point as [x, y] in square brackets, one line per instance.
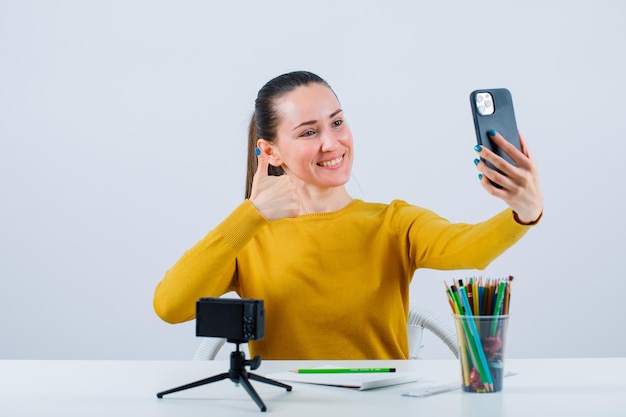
[478, 148]
[491, 132]
[476, 161]
[257, 151]
[480, 176]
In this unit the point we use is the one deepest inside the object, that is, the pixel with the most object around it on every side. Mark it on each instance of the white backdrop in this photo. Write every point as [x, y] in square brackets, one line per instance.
[122, 142]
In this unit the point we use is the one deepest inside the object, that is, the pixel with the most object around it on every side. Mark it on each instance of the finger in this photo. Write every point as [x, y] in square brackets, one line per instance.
[496, 169]
[296, 197]
[493, 160]
[485, 182]
[525, 149]
[300, 191]
[522, 157]
[262, 165]
[510, 149]
[518, 158]
[523, 145]
[488, 176]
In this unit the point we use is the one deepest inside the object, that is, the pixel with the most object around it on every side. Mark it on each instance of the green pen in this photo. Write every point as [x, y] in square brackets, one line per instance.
[342, 370]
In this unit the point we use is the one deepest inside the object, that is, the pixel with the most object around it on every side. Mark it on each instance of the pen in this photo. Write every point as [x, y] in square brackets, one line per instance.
[342, 370]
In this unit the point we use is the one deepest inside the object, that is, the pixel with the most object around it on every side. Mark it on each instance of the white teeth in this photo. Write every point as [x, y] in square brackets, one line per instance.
[331, 163]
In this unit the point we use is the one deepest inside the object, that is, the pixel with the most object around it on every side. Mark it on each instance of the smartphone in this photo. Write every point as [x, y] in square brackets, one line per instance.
[493, 109]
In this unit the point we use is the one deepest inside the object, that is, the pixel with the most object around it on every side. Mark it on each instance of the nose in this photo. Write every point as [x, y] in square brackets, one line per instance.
[329, 141]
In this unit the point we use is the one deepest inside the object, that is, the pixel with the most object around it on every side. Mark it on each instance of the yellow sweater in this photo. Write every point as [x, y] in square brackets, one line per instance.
[335, 285]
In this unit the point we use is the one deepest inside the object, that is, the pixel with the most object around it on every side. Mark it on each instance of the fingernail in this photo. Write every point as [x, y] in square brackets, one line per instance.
[478, 148]
[480, 176]
[257, 151]
[491, 132]
[476, 161]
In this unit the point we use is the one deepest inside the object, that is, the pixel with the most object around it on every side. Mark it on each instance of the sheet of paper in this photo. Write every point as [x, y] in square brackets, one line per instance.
[428, 388]
[432, 388]
[361, 381]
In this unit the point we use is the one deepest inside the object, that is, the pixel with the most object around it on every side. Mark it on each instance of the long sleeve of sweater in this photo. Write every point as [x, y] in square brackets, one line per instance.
[208, 269]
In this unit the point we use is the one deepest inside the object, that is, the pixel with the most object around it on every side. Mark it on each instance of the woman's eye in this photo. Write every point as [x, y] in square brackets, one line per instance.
[337, 123]
[309, 132]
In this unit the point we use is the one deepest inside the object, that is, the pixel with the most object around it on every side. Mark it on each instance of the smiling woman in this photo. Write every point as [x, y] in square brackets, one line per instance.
[292, 106]
[334, 272]
[313, 145]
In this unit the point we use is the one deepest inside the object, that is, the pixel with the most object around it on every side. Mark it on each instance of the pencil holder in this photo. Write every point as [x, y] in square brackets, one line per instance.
[482, 341]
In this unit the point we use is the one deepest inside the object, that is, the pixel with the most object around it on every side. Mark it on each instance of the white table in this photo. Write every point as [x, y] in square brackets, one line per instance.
[570, 387]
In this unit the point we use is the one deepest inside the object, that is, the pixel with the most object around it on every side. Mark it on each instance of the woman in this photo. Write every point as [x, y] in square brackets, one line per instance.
[334, 272]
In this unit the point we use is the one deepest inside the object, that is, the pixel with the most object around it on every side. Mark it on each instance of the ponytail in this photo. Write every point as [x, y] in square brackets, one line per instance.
[253, 159]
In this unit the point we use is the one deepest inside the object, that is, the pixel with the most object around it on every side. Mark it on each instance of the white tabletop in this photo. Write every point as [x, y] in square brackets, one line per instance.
[572, 387]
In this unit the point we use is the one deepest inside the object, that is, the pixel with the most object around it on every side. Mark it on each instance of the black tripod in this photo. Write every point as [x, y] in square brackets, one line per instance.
[238, 374]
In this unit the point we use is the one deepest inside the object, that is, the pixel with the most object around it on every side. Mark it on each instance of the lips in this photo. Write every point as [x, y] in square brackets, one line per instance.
[331, 163]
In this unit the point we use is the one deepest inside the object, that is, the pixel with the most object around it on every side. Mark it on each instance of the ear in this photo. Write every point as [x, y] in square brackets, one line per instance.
[270, 151]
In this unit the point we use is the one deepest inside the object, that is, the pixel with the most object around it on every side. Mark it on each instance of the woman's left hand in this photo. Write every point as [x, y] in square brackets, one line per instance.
[520, 183]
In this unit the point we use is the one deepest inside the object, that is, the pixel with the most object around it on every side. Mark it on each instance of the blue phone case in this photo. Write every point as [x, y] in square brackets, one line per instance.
[502, 120]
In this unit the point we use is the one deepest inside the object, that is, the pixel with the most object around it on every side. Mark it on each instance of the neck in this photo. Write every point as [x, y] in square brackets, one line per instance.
[323, 201]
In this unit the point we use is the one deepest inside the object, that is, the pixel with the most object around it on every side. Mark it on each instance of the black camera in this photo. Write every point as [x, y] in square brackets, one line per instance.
[238, 320]
[232, 318]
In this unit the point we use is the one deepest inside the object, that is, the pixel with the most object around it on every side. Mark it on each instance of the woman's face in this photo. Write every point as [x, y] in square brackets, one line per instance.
[313, 142]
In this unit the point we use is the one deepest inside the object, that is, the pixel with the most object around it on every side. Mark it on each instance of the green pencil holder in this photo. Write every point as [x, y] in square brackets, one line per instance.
[482, 342]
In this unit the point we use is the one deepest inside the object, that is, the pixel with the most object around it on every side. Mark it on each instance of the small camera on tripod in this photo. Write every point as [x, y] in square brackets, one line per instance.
[232, 318]
[237, 320]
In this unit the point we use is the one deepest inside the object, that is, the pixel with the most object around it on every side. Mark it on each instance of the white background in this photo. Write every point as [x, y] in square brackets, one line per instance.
[122, 143]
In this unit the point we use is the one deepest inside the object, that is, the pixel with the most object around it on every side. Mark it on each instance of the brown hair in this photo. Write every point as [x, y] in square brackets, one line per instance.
[265, 120]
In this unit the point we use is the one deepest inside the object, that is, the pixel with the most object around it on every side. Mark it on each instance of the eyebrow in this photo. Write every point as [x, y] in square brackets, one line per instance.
[311, 122]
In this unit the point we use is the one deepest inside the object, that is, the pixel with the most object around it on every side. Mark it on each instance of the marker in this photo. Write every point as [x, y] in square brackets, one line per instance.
[342, 370]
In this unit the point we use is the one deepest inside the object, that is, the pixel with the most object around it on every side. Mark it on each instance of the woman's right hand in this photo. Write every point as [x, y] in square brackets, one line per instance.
[519, 183]
[275, 197]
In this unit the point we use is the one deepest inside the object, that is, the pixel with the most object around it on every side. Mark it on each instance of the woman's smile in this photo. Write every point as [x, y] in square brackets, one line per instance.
[331, 163]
